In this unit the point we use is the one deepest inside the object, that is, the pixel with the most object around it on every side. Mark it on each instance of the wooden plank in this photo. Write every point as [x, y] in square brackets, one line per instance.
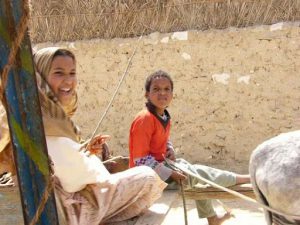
[24, 117]
[215, 193]
[158, 211]
[10, 205]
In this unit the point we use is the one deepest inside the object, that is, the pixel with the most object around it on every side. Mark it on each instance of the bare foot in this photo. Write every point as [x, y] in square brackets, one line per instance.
[242, 179]
[218, 220]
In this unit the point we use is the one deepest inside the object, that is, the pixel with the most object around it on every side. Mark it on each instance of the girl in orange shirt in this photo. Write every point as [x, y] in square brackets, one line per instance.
[149, 143]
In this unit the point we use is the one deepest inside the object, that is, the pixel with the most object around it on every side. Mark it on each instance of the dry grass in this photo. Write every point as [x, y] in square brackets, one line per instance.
[57, 20]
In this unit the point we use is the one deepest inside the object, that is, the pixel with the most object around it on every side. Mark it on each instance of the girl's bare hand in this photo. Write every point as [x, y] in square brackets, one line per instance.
[178, 176]
[171, 155]
[96, 144]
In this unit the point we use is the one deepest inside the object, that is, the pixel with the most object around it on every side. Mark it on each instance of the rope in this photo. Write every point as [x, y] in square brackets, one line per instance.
[87, 142]
[43, 201]
[237, 194]
[16, 43]
[21, 30]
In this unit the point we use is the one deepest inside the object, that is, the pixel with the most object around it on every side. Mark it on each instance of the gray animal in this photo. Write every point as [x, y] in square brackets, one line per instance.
[275, 176]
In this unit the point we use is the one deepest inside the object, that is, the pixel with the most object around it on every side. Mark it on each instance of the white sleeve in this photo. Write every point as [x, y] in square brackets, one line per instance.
[73, 168]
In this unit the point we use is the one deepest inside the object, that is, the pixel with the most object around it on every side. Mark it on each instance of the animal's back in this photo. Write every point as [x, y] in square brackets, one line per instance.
[275, 169]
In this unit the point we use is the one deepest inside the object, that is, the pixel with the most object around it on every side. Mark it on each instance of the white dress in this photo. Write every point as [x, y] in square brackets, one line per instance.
[90, 194]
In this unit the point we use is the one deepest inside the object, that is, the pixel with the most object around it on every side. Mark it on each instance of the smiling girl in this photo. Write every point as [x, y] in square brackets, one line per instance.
[62, 76]
[87, 192]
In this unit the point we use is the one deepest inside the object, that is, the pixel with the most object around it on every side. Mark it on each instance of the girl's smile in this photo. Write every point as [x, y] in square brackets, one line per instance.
[62, 78]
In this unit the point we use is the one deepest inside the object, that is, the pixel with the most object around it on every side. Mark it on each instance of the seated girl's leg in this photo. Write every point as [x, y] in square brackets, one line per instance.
[221, 177]
[242, 178]
[137, 189]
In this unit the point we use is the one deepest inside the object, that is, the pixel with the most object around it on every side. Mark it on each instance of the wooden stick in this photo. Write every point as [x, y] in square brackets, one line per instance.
[184, 203]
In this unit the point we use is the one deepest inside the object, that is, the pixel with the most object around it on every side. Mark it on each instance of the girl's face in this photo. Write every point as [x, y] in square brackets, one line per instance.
[62, 78]
[160, 94]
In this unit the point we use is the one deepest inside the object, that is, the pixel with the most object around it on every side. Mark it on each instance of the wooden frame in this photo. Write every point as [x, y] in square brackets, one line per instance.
[200, 193]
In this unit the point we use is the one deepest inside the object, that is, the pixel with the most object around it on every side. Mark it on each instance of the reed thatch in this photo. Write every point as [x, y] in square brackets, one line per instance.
[67, 20]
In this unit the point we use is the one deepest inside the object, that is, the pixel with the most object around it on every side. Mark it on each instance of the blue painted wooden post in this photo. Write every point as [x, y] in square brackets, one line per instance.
[24, 116]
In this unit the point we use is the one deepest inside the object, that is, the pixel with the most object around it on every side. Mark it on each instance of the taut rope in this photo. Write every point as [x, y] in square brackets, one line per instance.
[43, 201]
[87, 142]
[239, 195]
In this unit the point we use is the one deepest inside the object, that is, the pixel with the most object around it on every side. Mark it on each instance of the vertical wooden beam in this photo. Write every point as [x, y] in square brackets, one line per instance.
[24, 117]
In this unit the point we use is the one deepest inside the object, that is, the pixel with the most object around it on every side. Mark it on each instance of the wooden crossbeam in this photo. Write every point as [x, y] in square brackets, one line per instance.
[202, 193]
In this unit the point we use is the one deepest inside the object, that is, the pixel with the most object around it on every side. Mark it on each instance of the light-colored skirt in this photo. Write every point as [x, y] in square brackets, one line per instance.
[123, 196]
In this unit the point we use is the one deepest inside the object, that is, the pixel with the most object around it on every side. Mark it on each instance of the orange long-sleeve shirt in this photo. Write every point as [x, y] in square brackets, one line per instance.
[148, 136]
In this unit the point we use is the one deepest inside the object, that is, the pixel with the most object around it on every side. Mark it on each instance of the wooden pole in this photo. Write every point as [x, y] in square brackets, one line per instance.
[24, 117]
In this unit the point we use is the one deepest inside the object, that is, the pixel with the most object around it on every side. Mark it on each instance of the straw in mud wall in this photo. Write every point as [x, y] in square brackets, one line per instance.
[70, 20]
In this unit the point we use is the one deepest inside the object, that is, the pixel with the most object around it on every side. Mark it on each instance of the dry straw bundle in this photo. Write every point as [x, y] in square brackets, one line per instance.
[67, 20]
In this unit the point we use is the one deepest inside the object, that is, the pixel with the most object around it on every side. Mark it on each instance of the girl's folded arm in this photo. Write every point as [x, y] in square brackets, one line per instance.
[74, 168]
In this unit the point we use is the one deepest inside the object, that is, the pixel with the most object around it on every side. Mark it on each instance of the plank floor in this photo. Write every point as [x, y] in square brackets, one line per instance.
[244, 213]
[168, 210]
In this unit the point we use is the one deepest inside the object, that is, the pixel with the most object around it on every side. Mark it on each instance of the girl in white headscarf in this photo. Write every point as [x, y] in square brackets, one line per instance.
[84, 188]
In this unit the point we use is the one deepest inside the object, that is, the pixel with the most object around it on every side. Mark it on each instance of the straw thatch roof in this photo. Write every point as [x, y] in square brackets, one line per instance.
[57, 20]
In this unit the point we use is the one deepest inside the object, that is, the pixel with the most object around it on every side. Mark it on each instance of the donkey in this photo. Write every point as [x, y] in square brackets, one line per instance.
[275, 176]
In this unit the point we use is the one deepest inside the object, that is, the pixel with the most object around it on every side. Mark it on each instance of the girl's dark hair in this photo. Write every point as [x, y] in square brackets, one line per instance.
[157, 74]
[64, 52]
